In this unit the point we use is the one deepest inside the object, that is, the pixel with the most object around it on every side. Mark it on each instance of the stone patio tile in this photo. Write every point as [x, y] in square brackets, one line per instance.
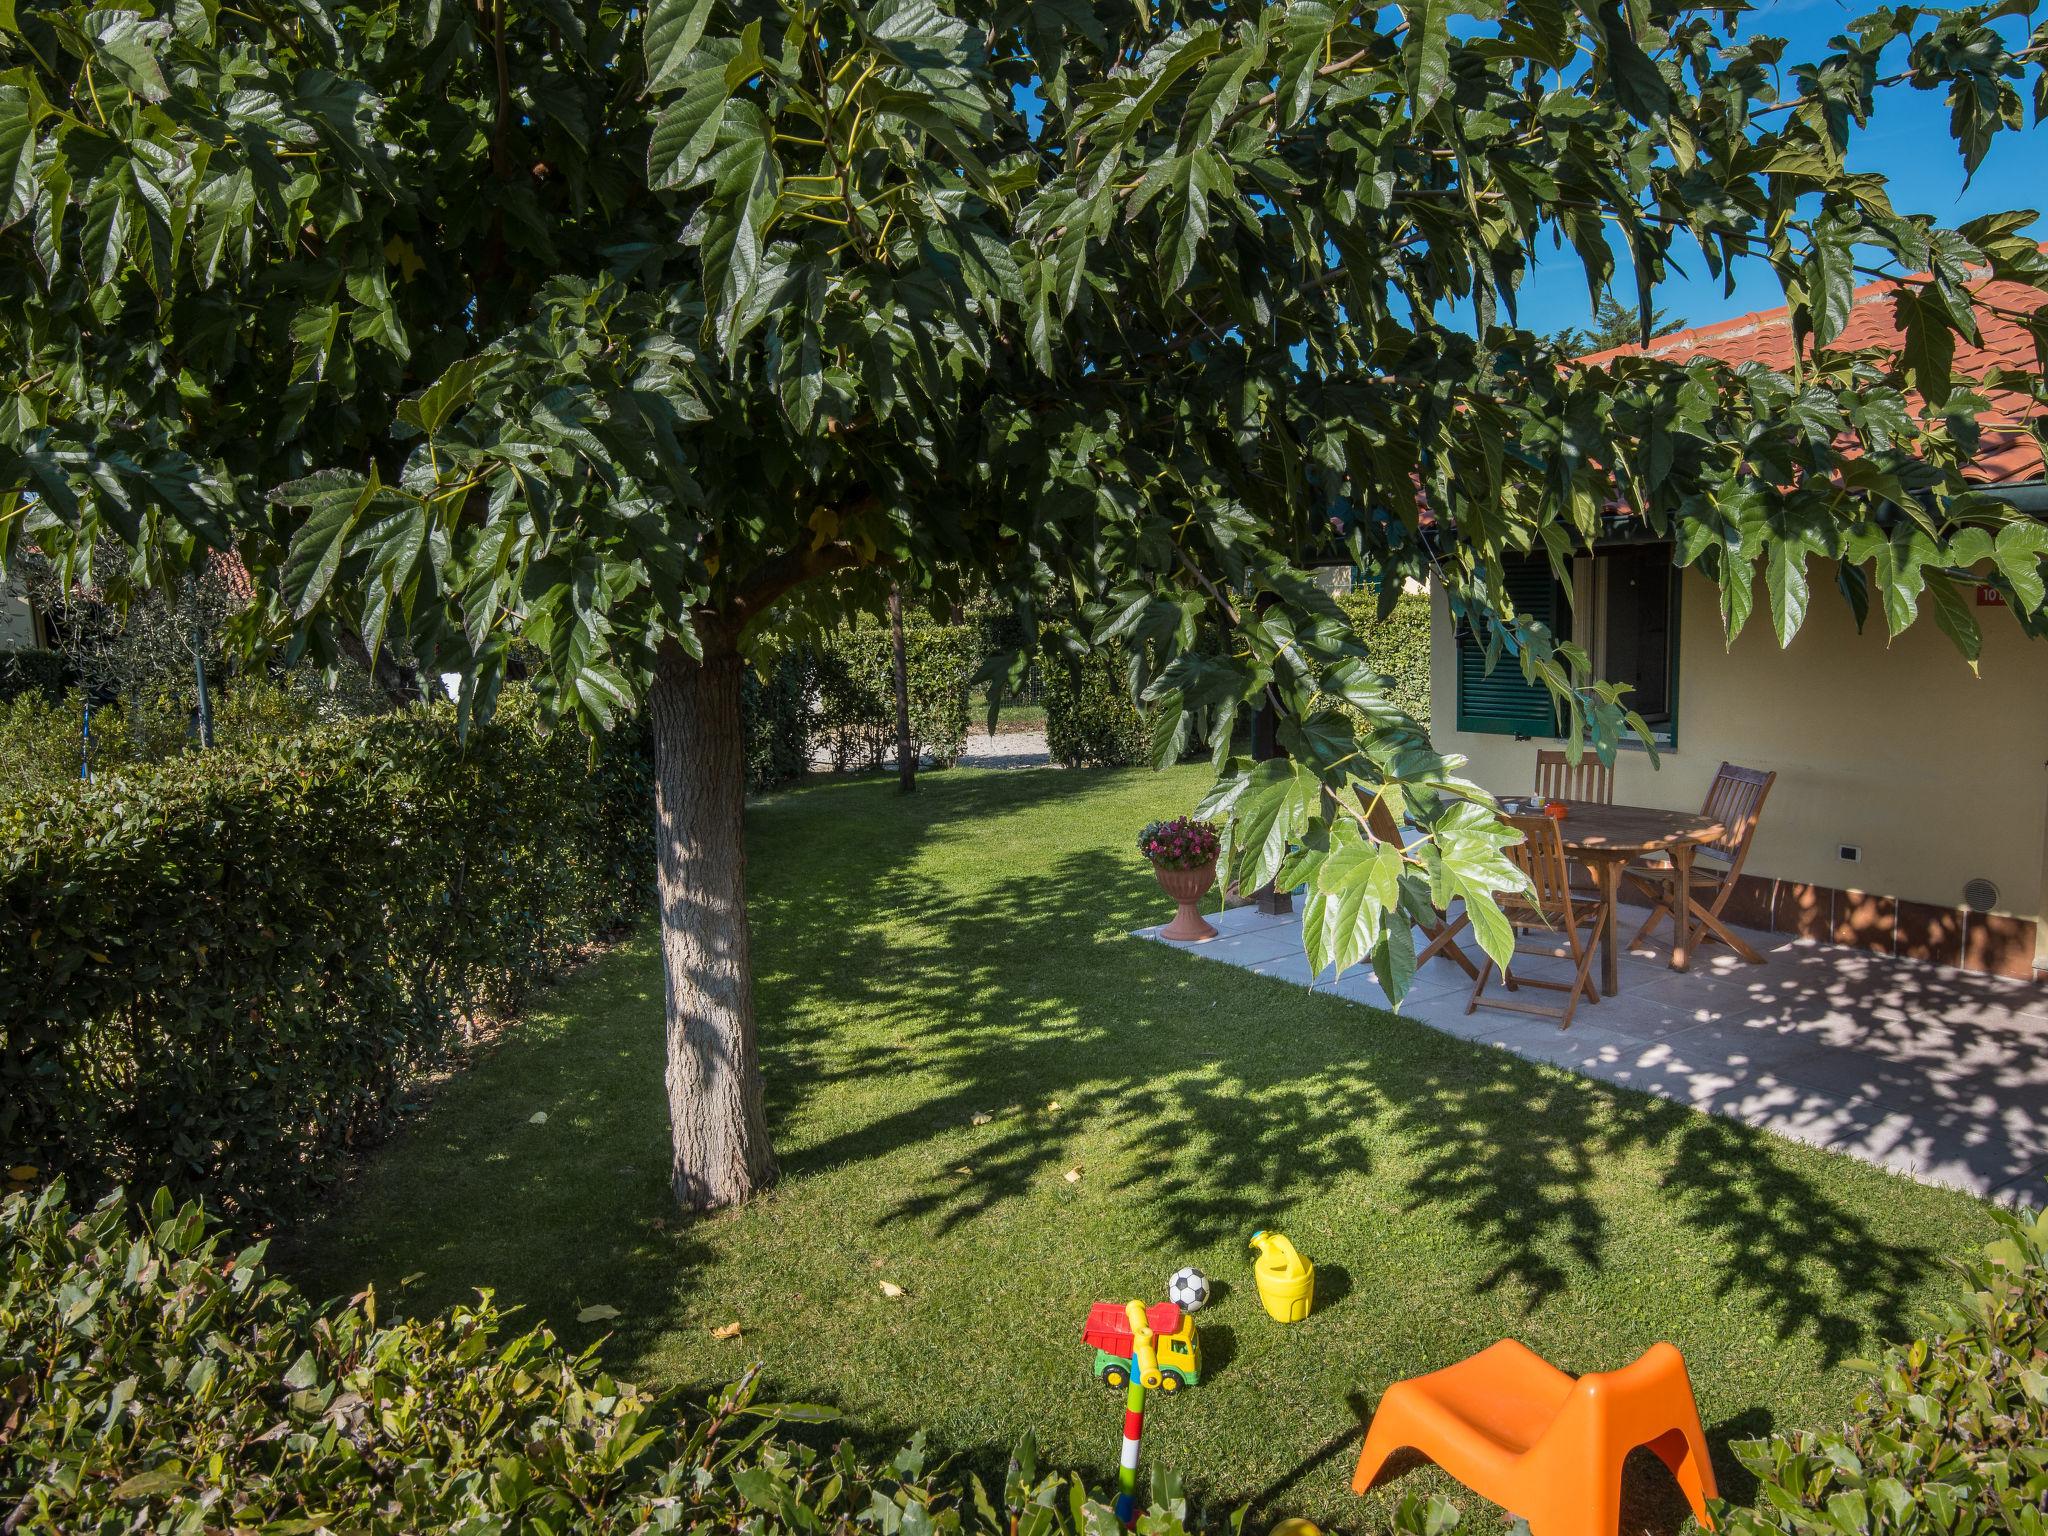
[1934, 1151]
[2028, 1189]
[1935, 1074]
[1582, 1048]
[1252, 946]
[1360, 985]
[1248, 919]
[1290, 964]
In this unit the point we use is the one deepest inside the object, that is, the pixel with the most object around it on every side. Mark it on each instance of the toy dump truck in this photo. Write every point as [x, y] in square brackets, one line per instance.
[1176, 1345]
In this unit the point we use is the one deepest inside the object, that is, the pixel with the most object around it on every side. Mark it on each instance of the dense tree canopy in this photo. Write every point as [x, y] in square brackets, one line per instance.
[656, 332]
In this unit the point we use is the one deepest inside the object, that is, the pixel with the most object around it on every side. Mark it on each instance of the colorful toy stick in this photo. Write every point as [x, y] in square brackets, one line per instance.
[1144, 1373]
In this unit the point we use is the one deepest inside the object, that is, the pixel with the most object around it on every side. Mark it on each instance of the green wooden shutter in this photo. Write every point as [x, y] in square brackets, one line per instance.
[1501, 702]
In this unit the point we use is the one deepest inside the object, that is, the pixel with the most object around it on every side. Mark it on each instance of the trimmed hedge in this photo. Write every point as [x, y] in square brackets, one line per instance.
[154, 1382]
[219, 973]
[1090, 721]
[776, 710]
[856, 691]
[1398, 646]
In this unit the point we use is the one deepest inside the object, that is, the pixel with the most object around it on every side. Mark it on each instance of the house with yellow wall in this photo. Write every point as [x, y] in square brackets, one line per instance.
[1910, 812]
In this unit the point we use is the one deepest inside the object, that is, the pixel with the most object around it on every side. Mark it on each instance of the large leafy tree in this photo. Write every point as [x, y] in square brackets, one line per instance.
[655, 333]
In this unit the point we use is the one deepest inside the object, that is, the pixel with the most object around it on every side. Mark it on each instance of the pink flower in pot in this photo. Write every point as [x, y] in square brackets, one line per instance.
[1183, 854]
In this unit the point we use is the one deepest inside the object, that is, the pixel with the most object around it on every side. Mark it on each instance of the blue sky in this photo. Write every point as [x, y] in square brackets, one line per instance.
[1907, 142]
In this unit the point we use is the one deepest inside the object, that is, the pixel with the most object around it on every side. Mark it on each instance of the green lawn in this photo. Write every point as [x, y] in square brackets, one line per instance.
[928, 962]
[1015, 715]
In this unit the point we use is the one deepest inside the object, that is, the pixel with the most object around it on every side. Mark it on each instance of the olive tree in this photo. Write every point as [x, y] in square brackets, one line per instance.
[652, 334]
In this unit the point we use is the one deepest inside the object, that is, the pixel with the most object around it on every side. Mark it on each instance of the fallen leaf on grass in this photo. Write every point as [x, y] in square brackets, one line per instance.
[891, 1290]
[597, 1314]
[538, 1117]
[729, 1331]
[1053, 1107]
[1073, 1175]
[963, 1168]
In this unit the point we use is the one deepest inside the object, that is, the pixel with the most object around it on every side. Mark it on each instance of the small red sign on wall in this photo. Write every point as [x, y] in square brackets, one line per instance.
[1990, 597]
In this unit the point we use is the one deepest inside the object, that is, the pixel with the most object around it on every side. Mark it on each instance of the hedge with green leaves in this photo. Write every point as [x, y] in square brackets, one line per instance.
[1397, 646]
[220, 972]
[150, 1380]
[776, 709]
[856, 691]
[44, 674]
[1949, 1439]
[1090, 721]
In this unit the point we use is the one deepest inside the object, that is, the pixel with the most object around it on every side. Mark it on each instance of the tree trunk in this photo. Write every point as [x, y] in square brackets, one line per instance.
[906, 752]
[718, 1129]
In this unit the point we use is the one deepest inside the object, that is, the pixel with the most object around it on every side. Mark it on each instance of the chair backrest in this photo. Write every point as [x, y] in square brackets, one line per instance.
[1619, 1410]
[1540, 856]
[1736, 800]
[1559, 778]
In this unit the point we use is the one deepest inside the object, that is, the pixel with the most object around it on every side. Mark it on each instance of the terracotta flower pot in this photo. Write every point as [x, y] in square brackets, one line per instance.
[1186, 887]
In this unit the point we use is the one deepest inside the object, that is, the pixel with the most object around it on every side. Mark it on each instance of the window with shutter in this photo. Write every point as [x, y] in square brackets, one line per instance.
[1501, 702]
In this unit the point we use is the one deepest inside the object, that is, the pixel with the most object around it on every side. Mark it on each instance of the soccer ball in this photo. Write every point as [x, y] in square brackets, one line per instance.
[1189, 1288]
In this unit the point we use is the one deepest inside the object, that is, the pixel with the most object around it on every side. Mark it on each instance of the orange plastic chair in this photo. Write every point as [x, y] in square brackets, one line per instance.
[1515, 1429]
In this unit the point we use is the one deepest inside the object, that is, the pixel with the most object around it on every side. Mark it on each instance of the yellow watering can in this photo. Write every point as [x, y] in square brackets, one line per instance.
[1287, 1281]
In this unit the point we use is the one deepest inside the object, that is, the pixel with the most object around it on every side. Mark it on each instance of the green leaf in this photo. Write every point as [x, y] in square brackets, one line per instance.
[1426, 55]
[686, 130]
[1785, 576]
[2017, 554]
[429, 411]
[1190, 221]
[1167, 62]
[1169, 729]
[333, 501]
[1215, 96]
[20, 111]
[1952, 616]
[670, 36]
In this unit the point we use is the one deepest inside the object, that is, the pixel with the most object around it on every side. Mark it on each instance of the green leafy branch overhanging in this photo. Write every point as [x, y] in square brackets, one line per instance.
[620, 328]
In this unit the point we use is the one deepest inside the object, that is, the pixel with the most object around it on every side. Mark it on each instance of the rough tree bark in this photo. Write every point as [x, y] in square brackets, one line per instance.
[906, 753]
[718, 1128]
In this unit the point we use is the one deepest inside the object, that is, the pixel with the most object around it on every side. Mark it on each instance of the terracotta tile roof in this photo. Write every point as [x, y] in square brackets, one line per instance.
[227, 565]
[2008, 455]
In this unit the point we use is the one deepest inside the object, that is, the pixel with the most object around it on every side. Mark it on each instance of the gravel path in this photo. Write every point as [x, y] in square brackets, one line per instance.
[1006, 749]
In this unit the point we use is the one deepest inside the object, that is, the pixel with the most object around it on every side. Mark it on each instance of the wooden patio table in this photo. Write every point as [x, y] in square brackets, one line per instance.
[1606, 837]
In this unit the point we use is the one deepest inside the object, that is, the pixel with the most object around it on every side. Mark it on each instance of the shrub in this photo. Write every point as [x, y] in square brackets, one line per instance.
[41, 737]
[154, 1382]
[40, 741]
[41, 673]
[1398, 647]
[221, 971]
[1090, 721]
[857, 693]
[777, 714]
[1950, 1438]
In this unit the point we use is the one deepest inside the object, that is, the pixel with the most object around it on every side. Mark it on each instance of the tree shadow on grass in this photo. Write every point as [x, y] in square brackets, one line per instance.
[1227, 1115]
[1004, 988]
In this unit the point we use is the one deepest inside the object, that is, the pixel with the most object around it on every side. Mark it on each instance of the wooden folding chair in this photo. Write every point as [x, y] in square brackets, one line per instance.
[1736, 800]
[1442, 937]
[1590, 780]
[1559, 778]
[1551, 904]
